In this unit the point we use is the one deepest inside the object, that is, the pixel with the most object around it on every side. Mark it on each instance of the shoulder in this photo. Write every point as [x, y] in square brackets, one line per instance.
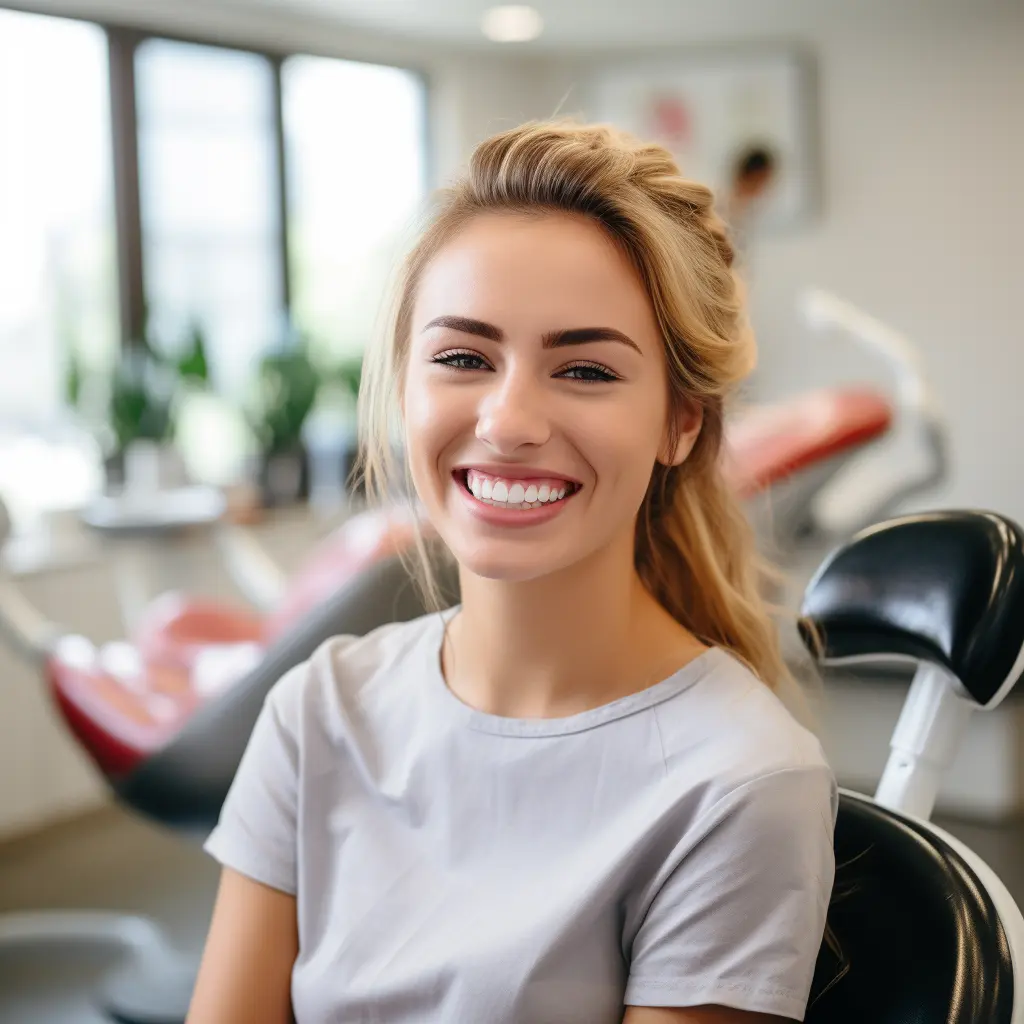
[341, 672]
[729, 733]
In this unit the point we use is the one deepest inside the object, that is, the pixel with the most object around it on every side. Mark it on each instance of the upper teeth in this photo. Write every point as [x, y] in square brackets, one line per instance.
[524, 494]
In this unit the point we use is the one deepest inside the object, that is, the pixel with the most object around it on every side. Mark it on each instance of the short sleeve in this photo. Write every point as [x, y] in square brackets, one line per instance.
[256, 832]
[739, 920]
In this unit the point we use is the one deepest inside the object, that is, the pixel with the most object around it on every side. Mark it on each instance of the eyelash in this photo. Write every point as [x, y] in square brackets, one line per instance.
[451, 357]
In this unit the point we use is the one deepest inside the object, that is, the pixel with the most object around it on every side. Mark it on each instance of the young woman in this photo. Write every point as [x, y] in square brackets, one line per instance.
[576, 796]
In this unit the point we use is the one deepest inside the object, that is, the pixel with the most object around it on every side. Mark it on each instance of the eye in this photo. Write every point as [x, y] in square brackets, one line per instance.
[588, 373]
[461, 359]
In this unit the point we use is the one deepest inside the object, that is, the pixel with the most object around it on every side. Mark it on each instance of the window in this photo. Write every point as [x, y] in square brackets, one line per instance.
[269, 191]
[208, 196]
[355, 157]
[58, 280]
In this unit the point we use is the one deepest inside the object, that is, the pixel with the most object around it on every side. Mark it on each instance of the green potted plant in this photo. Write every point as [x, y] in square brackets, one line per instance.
[190, 363]
[287, 384]
[133, 405]
[141, 418]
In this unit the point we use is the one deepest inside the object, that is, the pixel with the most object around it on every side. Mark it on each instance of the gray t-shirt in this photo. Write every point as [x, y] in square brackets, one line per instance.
[672, 848]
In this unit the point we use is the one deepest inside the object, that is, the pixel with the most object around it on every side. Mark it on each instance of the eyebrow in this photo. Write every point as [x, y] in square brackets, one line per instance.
[553, 339]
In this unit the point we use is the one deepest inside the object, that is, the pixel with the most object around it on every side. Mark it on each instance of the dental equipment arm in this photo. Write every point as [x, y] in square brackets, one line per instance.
[876, 494]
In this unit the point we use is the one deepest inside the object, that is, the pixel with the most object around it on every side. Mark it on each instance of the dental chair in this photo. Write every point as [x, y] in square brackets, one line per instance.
[925, 932]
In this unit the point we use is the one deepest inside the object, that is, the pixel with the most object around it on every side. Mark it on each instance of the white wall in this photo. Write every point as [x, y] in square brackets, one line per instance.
[922, 150]
[923, 225]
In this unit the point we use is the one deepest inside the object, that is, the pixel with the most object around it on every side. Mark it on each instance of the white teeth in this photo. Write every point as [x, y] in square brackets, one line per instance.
[512, 495]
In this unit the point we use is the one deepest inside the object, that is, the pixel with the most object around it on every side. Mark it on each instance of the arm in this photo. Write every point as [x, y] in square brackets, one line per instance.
[253, 941]
[245, 975]
[697, 1015]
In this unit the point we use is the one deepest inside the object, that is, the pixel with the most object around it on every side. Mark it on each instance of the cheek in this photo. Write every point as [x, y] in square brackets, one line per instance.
[416, 404]
[433, 420]
[624, 442]
[418, 419]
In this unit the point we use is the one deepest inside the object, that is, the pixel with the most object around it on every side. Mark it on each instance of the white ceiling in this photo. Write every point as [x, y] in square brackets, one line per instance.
[618, 23]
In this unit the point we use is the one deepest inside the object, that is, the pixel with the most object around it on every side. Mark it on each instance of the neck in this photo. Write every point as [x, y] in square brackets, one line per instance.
[564, 643]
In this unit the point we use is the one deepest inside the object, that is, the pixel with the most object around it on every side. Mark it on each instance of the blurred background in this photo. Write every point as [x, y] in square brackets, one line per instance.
[201, 202]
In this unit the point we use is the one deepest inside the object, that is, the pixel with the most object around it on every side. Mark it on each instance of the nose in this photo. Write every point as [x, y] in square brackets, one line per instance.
[512, 413]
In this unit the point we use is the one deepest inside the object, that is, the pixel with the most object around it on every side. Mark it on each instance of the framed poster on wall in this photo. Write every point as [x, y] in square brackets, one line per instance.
[738, 120]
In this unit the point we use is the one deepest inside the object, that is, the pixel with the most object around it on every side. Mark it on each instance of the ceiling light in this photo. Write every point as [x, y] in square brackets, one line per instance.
[512, 23]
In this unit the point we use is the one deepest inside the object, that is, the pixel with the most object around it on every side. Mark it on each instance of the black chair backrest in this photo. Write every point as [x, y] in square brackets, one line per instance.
[943, 587]
[184, 784]
[919, 936]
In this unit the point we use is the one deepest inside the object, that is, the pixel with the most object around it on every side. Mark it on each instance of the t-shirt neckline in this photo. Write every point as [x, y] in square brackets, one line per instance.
[482, 721]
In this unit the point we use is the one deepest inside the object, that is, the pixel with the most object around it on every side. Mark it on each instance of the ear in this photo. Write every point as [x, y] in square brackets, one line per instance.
[689, 418]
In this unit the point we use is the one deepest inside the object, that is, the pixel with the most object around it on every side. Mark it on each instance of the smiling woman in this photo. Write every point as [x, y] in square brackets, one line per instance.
[575, 796]
[517, 385]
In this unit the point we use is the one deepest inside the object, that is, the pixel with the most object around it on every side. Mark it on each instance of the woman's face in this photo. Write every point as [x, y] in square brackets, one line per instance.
[535, 400]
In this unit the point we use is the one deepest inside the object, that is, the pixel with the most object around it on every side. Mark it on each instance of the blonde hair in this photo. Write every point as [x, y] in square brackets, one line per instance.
[695, 550]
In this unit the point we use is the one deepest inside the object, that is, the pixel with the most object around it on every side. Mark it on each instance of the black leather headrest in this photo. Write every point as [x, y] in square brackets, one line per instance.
[943, 587]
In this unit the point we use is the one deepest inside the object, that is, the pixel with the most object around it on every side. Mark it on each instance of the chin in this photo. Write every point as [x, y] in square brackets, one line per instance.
[503, 569]
[501, 563]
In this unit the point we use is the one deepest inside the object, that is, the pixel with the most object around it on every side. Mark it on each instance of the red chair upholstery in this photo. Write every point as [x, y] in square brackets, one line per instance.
[772, 442]
[120, 708]
[175, 627]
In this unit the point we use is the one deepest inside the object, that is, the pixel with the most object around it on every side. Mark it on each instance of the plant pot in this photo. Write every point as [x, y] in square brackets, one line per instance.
[284, 477]
[113, 472]
[145, 466]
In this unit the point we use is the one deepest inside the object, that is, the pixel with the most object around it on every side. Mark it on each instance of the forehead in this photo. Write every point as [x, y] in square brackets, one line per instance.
[548, 270]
